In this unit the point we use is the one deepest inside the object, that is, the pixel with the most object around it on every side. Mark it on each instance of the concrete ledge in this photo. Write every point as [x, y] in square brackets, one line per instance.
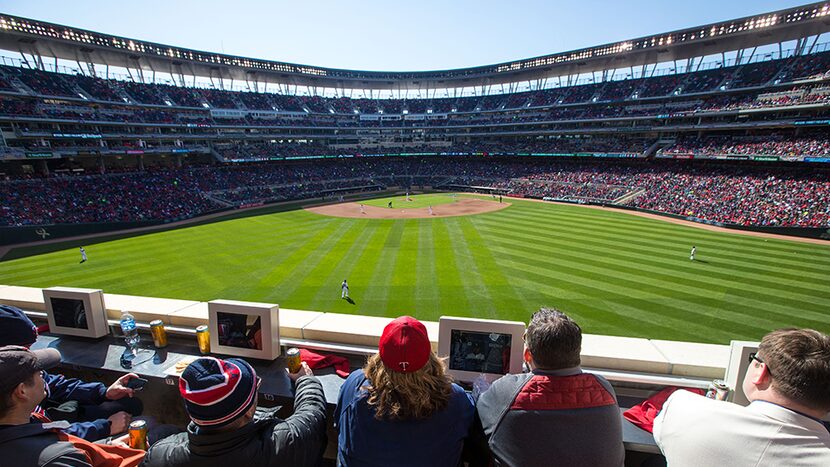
[292, 322]
[346, 329]
[695, 359]
[144, 309]
[623, 353]
[356, 329]
[25, 298]
[626, 354]
[192, 316]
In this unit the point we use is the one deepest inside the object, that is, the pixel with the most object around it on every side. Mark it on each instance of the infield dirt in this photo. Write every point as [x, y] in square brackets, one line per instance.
[463, 207]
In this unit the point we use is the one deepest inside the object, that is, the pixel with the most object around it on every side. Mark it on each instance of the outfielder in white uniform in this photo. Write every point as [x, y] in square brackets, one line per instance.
[692, 253]
[83, 255]
[344, 289]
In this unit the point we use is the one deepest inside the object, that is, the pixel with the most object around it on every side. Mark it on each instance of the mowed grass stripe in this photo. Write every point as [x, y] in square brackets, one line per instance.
[694, 299]
[427, 296]
[671, 266]
[655, 315]
[289, 258]
[504, 296]
[666, 233]
[654, 229]
[626, 268]
[325, 280]
[448, 277]
[405, 274]
[474, 287]
[296, 268]
[363, 273]
[653, 291]
[756, 263]
[375, 299]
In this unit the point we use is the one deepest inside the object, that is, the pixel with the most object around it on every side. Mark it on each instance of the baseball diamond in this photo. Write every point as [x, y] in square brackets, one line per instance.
[617, 273]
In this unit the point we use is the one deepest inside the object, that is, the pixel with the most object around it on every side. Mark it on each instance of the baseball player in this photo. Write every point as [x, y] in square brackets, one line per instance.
[83, 255]
[344, 289]
[692, 253]
[430, 210]
[389, 205]
[362, 209]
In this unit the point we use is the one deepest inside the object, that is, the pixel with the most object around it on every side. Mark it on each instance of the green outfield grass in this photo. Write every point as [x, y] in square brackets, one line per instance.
[418, 201]
[614, 273]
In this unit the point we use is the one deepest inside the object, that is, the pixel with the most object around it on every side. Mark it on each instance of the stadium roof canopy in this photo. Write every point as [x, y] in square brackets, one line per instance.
[53, 41]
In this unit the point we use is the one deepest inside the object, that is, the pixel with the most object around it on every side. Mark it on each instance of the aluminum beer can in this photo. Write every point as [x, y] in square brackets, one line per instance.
[203, 338]
[138, 435]
[292, 360]
[718, 390]
[159, 333]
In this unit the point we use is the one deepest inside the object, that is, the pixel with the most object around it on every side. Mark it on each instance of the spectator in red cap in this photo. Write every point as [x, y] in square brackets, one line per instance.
[402, 408]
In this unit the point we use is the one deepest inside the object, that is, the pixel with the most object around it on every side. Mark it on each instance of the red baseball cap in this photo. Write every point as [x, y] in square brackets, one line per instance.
[404, 345]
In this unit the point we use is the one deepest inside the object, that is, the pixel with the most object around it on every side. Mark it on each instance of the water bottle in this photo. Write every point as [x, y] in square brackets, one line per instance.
[480, 385]
[129, 330]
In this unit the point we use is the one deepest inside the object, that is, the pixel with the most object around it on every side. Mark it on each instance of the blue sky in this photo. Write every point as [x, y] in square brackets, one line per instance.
[387, 35]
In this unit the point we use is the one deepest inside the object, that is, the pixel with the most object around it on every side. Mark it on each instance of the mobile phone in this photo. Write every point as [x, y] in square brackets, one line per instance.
[136, 384]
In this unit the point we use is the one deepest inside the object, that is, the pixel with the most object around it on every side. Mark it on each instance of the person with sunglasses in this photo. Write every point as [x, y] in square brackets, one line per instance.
[788, 386]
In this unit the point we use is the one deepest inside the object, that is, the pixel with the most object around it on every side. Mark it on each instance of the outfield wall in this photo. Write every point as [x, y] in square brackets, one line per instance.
[629, 355]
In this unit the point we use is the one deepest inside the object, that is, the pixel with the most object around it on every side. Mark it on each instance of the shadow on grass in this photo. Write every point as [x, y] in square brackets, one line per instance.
[351, 302]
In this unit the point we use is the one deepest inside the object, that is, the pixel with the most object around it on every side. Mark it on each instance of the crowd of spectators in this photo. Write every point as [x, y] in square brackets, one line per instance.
[560, 116]
[783, 146]
[725, 194]
[734, 77]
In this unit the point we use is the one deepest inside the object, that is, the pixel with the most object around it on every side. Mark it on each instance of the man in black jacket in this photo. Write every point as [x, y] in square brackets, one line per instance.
[227, 429]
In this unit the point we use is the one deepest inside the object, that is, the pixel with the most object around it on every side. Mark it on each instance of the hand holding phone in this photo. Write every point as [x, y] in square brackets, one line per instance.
[136, 384]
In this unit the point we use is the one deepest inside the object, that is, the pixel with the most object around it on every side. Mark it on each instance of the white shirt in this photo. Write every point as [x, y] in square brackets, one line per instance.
[692, 430]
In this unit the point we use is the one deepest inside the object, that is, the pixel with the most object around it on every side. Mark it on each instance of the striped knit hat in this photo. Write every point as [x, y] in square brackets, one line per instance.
[217, 392]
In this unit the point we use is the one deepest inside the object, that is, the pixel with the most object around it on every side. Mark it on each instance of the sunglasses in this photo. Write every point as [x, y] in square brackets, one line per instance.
[754, 356]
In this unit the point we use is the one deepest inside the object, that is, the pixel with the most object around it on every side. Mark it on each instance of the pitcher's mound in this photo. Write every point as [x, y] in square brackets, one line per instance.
[462, 207]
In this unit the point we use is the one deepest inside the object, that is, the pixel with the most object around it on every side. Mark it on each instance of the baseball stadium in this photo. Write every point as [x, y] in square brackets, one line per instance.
[670, 192]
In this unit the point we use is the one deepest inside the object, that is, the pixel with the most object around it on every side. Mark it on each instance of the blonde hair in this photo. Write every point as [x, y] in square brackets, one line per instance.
[407, 396]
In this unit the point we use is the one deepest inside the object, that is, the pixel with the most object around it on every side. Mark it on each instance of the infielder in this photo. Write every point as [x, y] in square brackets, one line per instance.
[83, 255]
[362, 209]
[692, 253]
[344, 289]
[430, 210]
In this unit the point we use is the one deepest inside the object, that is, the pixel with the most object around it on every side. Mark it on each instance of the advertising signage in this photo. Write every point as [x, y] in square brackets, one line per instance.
[39, 155]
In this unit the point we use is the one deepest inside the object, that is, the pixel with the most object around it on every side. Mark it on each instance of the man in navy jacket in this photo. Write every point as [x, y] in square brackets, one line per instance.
[94, 410]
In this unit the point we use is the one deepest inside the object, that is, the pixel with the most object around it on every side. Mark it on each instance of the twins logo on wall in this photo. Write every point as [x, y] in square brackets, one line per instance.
[42, 233]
